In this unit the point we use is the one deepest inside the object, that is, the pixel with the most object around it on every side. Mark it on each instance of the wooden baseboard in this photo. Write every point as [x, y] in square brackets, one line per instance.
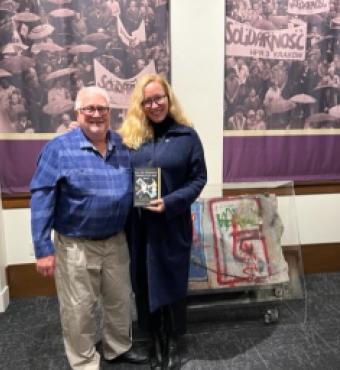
[24, 281]
[321, 258]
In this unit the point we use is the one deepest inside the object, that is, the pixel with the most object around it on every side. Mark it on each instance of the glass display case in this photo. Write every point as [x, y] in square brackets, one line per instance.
[246, 248]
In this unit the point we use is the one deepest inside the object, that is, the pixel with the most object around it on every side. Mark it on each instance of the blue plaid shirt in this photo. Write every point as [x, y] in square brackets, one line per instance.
[77, 192]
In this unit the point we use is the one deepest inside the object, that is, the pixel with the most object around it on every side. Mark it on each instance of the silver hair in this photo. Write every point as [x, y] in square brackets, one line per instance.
[94, 90]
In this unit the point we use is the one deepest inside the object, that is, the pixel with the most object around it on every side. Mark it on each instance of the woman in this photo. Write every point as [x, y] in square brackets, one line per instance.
[16, 108]
[159, 135]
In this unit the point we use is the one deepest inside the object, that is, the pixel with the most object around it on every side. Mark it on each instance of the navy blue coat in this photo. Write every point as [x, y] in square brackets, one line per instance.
[167, 236]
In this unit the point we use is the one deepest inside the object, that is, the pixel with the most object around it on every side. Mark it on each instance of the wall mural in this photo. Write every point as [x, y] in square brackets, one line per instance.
[49, 49]
[282, 89]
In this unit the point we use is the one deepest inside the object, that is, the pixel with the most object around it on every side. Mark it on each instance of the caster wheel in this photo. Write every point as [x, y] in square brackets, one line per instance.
[271, 315]
[278, 292]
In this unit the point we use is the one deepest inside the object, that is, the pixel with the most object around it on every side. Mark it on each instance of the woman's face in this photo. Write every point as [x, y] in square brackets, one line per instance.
[155, 103]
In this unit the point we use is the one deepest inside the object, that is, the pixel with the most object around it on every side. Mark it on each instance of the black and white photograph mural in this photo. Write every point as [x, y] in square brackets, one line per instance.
[282, 90]
[282, 66]
[49, 49]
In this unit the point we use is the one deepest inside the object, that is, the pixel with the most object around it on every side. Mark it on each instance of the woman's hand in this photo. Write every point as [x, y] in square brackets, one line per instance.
[156, 205]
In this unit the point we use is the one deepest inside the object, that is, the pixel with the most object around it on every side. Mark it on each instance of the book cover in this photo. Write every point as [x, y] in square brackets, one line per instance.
[146, 186]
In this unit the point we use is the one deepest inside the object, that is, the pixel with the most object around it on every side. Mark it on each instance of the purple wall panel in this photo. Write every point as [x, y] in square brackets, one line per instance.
[281, 158]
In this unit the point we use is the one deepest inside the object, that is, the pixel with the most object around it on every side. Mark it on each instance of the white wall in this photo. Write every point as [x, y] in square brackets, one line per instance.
[19, 247]
[197, 37]
[311, 219]
[197, 64]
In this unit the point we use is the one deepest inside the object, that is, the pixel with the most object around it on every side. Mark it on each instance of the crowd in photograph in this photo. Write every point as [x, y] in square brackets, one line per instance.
[48, 48]
[281, 93]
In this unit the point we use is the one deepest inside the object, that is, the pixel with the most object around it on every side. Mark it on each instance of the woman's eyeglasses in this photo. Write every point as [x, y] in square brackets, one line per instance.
[91, 110]
[158, 100]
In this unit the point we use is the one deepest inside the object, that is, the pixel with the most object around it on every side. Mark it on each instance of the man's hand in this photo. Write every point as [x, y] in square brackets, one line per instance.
[46, 266]
[156, 205]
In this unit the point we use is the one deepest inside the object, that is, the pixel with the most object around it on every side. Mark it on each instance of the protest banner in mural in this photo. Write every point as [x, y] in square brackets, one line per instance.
[136, 36]
[282, 90]
[306, 7]
[119, 89]
[246, 41]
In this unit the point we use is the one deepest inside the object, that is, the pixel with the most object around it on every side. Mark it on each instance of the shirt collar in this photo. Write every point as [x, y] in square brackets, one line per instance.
[85, 143]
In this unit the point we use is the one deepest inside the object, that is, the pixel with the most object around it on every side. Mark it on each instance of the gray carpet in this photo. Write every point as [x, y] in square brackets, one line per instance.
[306, 336]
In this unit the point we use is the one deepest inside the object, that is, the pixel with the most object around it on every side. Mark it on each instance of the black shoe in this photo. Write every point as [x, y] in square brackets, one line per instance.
[156, 354]
[132, 357]
[172, 360]
[99, 347]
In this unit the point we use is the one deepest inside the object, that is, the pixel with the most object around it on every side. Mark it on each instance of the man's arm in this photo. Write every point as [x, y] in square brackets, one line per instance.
[43, 189]
[42, 210]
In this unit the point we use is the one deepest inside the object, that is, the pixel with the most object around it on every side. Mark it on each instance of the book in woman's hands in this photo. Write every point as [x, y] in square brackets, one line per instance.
[146, 185]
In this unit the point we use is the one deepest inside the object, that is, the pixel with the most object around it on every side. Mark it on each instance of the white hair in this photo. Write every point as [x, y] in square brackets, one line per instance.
[90, 90]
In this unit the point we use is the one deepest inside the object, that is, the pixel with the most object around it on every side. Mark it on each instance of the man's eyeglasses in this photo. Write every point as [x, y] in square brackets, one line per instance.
[159, 99]
[91, 110]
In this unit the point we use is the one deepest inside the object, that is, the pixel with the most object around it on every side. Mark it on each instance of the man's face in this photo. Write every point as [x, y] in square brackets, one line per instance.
[239, 114]
[4, 83]
[23, 121]
[251, 115]
[140, 64]
[66, 119]
[252, 94]
[94, 116]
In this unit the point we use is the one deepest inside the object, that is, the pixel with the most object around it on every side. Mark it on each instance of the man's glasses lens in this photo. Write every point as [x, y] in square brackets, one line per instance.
[90, 111]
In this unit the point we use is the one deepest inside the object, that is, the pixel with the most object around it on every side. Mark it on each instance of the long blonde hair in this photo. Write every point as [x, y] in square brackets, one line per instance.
[136, 128]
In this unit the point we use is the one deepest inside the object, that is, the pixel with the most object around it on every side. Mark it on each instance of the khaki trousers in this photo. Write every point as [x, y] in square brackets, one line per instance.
[87, 270]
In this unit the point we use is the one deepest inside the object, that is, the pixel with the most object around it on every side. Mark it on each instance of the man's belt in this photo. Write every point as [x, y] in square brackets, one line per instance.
[98, 238]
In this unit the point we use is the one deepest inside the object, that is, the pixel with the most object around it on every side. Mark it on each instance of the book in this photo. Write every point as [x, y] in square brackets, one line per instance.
[146, 185]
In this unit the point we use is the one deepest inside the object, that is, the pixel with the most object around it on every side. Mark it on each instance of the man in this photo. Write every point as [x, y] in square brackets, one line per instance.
[82, 190]
[232, 89]
[237, 121]
[64, 124]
